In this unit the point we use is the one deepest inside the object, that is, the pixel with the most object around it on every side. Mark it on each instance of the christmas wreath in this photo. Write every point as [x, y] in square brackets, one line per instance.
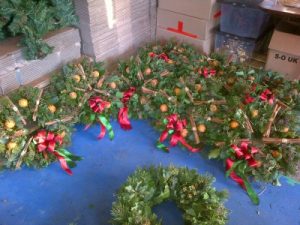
[192, 193]
[248, 117]
[32, 20]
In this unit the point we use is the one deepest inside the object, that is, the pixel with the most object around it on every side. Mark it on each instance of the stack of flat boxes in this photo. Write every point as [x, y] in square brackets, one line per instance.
[191, 21]
[16, 71]
[114, 28]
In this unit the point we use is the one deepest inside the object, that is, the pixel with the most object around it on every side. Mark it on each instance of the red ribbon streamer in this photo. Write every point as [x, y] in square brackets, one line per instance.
[176, 125]
[98, 105]
[267, 96]
[242, 152]
[123, 113]
[47, 141]
[179, 30]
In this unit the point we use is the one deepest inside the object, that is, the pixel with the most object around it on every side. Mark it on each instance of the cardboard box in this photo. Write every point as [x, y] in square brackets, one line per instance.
[202, 9]
[185, 25]
[284, 52]
[203, 45]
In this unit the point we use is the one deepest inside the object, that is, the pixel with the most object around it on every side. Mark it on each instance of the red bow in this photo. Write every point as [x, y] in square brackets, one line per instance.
[207, 72]
[242, 152]
[267, 96]
[162, 56]
[97, 104]
[123, 113]
[248, 99]
[174, 126]
[47, 141]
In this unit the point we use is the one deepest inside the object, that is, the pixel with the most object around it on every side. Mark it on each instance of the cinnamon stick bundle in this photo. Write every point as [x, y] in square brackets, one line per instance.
[268, 140]
[187, 90]
[212, 101]
[37, 103]
[148, 91]
[194, 128]
[63, 120]
[23, 153]
[15, 108]
[276, 110]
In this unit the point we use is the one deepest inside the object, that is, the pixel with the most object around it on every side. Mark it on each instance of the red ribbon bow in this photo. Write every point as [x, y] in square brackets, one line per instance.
[97, 104]
[267, 96]
[242, 152]
[176, 125]
[162, 56]
[207, 72]
[123, 113]
[47, 141]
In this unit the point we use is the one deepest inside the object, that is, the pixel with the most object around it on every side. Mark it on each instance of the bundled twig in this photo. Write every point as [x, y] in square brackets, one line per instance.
[194, 128]
[148, 91]
[15, 108]
[215, 120]
[247, 122]
[63, 120]
[268, 140]
[81, 71]
[276, 110]
[212, 101]
[171, 99]
[101, 92]
[23, 153]
[140, 75]
[187, 90]
[101, 81]
[164, 73]
[84, 98]
[126, 80]
[37, 103]
[235, 141]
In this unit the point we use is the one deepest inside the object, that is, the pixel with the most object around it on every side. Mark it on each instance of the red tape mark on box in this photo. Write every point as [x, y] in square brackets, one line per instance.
[179, 30]
[217, 14]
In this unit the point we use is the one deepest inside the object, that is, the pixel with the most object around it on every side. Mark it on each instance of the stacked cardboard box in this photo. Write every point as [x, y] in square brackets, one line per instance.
[284, 50]
[111, 28]
[189, 21]
[16, 71]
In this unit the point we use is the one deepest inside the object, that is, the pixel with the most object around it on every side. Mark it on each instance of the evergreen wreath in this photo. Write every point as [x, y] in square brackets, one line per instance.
[192, 193]
[33, 19]
[248, 117]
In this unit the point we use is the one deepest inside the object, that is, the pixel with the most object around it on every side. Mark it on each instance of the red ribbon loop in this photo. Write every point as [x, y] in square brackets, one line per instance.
[162, 56]
[123, 113]
[176, 125]
[267, 96]
[47, 141]
[207, 72]
[97, 104]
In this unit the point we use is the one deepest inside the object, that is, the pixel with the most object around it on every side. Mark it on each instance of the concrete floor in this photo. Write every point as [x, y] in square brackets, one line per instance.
[50, 197]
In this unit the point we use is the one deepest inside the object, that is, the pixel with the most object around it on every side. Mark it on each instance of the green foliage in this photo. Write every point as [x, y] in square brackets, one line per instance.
[192, 193]
[33, 19]
[180, 82]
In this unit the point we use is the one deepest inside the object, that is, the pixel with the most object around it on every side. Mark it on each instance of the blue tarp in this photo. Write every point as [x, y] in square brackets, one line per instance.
[51, 197]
